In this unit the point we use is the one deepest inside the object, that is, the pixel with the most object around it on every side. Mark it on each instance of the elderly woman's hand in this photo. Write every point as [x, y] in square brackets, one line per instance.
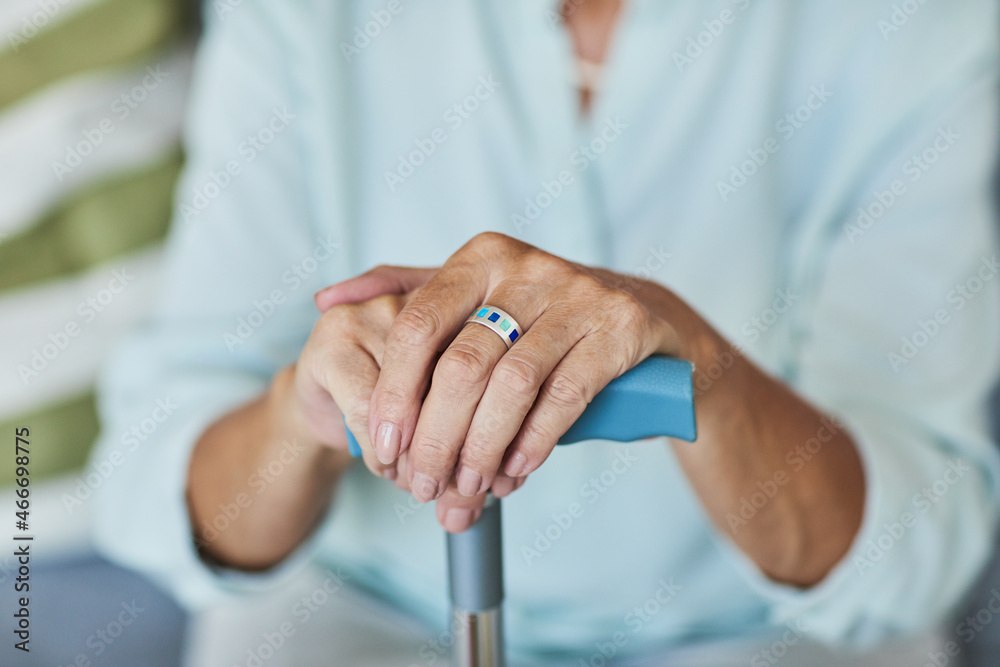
[454, 401]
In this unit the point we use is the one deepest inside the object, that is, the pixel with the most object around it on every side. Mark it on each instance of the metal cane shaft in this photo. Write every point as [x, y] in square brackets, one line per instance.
[656, 398]
[475, 578]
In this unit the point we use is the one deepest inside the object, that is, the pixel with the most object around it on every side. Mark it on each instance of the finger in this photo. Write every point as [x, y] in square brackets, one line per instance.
[459, 380]
[402, 478]
[353, 396]
[510, 392]
[504, 485]
[423, 328]
[426, 325]
[344, 362]
[376, 282]
[456, 513]
[571, 386]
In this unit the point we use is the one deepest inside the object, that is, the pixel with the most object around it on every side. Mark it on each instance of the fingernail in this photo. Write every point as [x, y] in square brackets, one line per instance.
[469, 481]
[390, 474]
[516, 465]
[458, 519]
[425, 489]
[387, 441]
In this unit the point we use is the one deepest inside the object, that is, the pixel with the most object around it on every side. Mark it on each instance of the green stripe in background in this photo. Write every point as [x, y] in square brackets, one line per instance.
[94, 226]
[60, 439]
[110, 32]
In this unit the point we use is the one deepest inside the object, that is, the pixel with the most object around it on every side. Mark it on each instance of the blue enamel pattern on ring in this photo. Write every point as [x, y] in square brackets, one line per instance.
[494, 316]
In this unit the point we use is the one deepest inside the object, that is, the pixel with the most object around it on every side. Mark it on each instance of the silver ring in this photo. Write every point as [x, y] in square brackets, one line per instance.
[498, 321]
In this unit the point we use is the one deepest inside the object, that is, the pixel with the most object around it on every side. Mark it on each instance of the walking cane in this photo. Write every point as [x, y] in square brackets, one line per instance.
[656, 398]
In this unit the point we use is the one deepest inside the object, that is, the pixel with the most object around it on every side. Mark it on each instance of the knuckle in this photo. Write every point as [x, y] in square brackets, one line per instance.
[334, 337]
[517, 375]
[627, 311]
[535, 437]
[485, 240]
[356, 411]
[536, 260]
[568, 390]
[416, 326]
[491, 245]
[385, 305]
[434, 451]
[586, 284]
[462, 365]
[392, 401]
[337, 320]
[487, 430]
[479, 456]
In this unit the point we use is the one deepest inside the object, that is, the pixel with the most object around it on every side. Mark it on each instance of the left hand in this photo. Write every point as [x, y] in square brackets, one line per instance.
[458, 402]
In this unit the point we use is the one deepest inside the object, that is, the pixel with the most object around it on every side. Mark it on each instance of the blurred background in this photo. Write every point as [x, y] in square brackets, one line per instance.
[92, 95]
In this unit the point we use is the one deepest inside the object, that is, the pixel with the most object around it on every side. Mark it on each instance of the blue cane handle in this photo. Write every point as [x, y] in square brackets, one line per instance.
[656, 398]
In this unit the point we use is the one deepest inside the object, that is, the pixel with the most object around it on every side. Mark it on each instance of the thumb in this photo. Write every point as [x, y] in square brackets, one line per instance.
[377, 282]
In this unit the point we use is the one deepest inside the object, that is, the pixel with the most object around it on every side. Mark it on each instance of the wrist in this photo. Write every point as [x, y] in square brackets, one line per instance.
[687, 335]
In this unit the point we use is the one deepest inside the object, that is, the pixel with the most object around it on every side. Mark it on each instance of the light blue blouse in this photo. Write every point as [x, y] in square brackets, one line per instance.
[813, 177]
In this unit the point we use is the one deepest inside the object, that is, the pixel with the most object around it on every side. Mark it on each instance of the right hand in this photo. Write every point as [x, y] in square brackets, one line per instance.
[339, 365]
[337, 371]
